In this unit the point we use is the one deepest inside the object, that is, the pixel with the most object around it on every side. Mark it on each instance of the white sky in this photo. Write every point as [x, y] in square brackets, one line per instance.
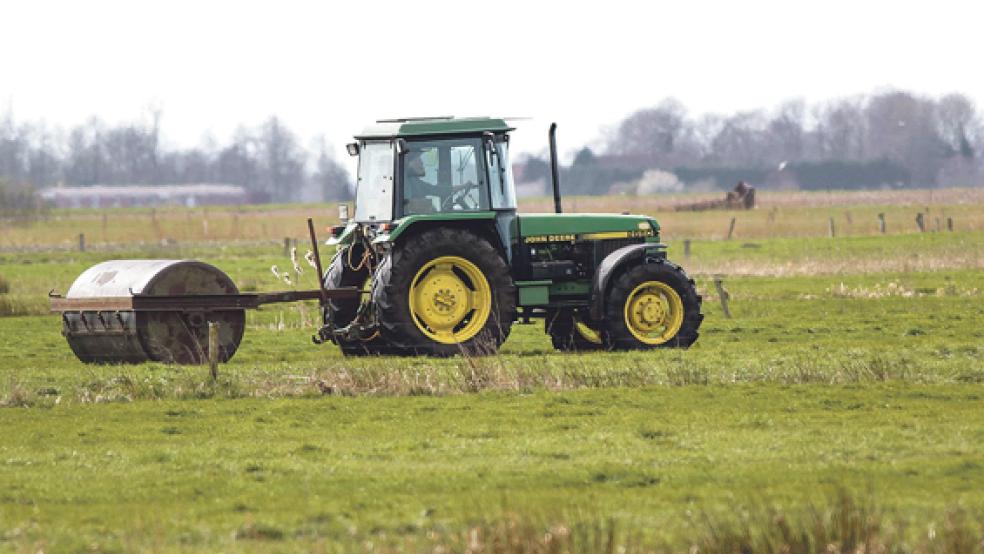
[330, 68]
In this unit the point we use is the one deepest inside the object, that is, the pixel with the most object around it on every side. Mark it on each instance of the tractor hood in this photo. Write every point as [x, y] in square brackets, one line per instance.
[586, 226]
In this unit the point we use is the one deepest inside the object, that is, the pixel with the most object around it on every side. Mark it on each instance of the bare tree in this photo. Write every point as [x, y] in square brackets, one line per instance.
[958, 124]
[651, 133]
[841, 130]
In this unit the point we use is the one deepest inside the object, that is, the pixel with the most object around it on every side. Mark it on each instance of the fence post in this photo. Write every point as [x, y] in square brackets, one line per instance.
[213, 349]
[949, 224]
[81, 242]
[921, 222]
[830, 227]
[731, 228]
[686, 249]
[881, 223]
[286, 246]
[723, 295]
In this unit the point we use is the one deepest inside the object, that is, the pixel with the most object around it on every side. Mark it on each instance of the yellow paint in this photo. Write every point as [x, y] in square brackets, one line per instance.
[587, 333]
[608, 235]
[450, 299]
[654, 312]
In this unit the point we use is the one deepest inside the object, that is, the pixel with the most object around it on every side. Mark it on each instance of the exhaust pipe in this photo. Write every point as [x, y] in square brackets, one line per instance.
[554, 171]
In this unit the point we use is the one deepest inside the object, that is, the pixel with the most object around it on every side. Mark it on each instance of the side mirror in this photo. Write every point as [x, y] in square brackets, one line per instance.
[353, 148]
[489, 139]
[343, 213]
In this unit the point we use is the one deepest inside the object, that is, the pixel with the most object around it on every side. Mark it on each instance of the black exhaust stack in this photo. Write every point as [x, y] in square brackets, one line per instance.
[554, 171]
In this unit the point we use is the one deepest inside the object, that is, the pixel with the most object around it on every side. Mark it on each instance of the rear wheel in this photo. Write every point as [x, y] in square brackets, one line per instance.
[443, 292]
[568, 333]
[652, 305]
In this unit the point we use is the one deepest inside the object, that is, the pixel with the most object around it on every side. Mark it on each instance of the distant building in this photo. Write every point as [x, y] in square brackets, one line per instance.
[105, 196]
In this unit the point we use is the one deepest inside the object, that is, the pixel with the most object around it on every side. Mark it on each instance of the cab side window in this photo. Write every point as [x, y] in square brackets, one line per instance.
[444, 176]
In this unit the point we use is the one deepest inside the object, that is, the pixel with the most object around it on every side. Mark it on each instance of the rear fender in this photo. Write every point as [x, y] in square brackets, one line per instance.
[481, 223]
[420, 221]
[614, 264]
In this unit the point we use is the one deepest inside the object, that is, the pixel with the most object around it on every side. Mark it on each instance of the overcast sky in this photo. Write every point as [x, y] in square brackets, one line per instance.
[329, 68]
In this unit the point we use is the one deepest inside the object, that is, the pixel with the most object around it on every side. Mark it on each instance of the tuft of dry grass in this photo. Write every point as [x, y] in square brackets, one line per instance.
[899, 262]
[17, 396]
[385, 376]
[840, 524]
[12, 305]
[893, 288]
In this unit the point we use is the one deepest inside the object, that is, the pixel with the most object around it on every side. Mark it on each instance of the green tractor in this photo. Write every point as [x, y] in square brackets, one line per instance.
[447, 265]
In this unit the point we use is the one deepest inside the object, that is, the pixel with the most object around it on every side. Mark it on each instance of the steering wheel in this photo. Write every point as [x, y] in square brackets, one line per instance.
[457, 197]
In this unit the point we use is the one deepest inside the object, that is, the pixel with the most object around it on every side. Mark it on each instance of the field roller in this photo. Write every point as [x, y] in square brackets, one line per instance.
[133, 311]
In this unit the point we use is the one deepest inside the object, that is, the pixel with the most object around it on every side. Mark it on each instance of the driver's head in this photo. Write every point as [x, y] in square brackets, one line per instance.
[415, 164]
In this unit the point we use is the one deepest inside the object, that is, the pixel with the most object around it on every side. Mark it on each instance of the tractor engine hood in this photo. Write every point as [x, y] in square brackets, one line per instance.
[586, 226]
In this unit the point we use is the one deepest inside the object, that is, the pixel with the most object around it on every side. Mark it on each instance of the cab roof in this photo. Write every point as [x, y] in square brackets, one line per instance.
[425, 126]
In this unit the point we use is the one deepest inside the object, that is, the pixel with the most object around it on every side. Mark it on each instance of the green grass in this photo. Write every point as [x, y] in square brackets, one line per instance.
[190, 474]
[916, 327]
[854, 364]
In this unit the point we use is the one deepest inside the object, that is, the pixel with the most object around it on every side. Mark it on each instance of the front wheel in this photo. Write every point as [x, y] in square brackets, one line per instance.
[652, 305]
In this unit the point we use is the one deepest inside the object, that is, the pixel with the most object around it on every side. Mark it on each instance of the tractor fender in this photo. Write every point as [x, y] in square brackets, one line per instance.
[625, 256]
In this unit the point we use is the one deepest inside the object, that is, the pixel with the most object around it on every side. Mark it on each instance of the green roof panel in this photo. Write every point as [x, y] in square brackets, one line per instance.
[413, 127]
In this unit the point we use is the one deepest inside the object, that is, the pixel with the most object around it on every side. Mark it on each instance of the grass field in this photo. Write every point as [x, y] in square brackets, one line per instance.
[843, 404]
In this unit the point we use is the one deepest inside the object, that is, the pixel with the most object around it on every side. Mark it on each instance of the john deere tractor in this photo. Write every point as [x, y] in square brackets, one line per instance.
[447, 265]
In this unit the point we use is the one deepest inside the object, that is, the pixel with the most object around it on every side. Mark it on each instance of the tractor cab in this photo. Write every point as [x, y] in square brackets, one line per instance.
[427, 166]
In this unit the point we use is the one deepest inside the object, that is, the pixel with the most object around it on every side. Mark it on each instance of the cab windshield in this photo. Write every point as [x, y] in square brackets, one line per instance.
[374, 192]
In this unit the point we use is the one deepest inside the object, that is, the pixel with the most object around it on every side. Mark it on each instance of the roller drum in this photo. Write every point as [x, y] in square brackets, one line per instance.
[173, 336]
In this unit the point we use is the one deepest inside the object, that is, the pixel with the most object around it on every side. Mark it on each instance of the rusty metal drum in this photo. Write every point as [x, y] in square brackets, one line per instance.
[108, 326]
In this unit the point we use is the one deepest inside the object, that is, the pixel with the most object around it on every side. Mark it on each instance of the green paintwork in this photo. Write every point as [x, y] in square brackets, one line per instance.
[556, 224]
[405, 223]
[533, 293]
[571, 288]
[436, 126]
[540, 293]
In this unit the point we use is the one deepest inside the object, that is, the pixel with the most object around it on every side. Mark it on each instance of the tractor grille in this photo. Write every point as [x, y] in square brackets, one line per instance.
[605, 247]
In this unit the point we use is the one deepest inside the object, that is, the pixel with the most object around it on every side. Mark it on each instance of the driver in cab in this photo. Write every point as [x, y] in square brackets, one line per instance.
[419, 192]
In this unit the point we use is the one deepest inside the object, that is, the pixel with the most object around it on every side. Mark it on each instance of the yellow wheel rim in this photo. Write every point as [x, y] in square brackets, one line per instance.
[654, 312]
[587, 333]
[450, 299]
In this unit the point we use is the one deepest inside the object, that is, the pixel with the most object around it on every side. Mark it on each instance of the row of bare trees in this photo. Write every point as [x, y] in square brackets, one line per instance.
[936, 141]
[267, 160]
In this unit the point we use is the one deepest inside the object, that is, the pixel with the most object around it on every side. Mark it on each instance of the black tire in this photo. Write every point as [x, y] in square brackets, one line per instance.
[391, 291]
[561, 325]
[341, 311]
[616, 331]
